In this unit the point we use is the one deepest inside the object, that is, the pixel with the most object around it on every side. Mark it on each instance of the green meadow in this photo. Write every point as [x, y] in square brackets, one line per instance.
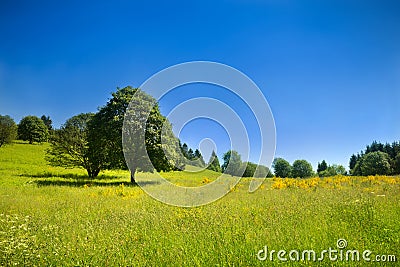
[51, 216]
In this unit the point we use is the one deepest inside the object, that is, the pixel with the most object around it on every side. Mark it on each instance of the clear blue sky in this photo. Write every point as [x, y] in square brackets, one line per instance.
[330, 70]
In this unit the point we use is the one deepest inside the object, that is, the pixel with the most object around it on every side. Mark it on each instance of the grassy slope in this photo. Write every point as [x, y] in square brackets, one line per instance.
[54, 216]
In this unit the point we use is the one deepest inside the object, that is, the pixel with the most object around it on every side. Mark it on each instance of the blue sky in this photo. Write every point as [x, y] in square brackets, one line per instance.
[330, 70]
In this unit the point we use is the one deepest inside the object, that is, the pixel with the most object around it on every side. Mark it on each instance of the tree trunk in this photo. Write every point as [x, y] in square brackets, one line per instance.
[133, 181]
[93, 173]
[96, 172]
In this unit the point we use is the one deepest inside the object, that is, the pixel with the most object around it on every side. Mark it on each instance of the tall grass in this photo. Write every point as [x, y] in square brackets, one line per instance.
[56, 216]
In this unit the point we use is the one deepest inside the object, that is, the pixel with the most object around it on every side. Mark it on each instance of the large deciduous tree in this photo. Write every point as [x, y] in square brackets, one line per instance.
[69, 146]
[105, 134]
[282, 168]
[8, 130]
[32, 129]
[374, 163]
[302, 169]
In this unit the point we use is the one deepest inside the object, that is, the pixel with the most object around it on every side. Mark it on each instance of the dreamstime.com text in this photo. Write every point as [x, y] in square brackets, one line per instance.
[340, 253]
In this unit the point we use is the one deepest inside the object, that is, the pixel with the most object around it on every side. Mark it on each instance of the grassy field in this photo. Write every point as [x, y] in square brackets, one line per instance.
[55, 216]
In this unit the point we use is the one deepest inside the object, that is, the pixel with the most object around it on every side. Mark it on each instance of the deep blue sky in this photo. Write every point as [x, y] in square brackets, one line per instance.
[330, 70]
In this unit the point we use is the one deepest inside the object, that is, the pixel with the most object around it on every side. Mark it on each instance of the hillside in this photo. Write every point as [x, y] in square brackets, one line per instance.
[56, 216]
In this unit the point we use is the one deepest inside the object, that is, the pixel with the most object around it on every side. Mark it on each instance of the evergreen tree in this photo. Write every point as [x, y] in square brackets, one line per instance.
[199, 158]
[322, 166]
[47, 121]
[213, 163]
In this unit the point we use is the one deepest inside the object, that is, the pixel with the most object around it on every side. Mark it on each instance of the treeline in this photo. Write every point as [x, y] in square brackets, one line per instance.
[30, 128]
[94, 141]
[377, 158]
[303, 169]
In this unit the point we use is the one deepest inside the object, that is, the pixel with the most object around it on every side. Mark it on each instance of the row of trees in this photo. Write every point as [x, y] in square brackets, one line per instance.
[300, 168]
[94, 141]
[30, 128]
[377, 158]
[325, 170]
[234, 165]
[193, 158]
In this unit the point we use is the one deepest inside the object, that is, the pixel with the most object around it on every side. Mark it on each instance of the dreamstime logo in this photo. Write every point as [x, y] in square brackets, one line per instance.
[158, 86]
[340, 253]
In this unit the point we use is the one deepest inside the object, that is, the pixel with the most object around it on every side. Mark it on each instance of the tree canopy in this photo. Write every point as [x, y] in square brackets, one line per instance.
[233, 164]
[213, 163]
[192, 158]
[373, 163]
[392, 152]
[69, 146]
[322, 166]
[282, 168]
[47, 121]
[255, 170]
[105, 133]
[8, 130]
[302, 169]
[32, 129]
[333, 170]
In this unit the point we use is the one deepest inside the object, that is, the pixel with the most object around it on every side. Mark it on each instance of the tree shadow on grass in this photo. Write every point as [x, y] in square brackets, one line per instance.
[69, 176]
[80, 180]
[81, 183]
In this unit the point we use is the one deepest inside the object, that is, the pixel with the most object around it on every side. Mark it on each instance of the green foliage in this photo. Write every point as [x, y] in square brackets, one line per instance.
[213, 163]
[375, 163]
[397, 164]
[392, 151]
[47, 121]
[233, 164]
[191, 158]
[105, 130]
[250, 169]
[105, 134]
[8, 130]
[69, 146]
[254, 170]
[199, 158]
[262, 172]
[282, 168]
[356, 171]
[161, 144]
[322, 166]
[333, 170]
[302, 169]
[353, 161]
[32, 129]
